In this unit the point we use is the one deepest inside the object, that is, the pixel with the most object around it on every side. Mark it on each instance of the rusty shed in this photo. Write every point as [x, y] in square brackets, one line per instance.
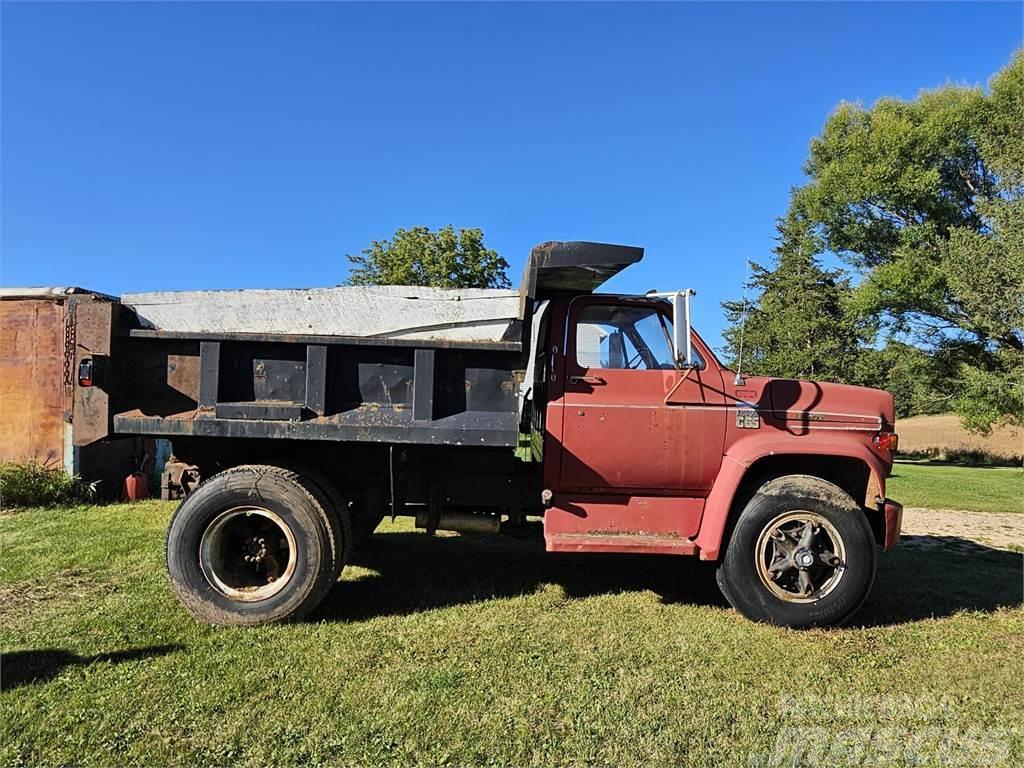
[37, 356]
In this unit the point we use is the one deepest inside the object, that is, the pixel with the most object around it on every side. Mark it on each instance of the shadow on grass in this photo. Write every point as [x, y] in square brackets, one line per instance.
[924, 577]
[935, 576]
[416, 573]
[27, 667]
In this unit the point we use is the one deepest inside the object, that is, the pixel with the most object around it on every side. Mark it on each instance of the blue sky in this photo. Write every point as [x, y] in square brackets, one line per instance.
[178, 146]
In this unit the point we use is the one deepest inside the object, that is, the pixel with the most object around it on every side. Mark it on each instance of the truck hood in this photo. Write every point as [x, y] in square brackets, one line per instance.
[811, 402]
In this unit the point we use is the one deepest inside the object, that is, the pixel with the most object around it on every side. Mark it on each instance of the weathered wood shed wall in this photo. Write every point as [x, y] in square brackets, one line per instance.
[35, 393]
[37, 366]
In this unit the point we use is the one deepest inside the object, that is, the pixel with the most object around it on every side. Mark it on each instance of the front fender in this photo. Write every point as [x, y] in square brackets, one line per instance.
[744, 453]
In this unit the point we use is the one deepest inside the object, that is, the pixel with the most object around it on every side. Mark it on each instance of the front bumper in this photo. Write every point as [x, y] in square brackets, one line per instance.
[892, 521]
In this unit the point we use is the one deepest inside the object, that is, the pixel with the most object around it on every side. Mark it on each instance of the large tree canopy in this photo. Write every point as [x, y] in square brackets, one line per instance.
[922, 196]
[924, 200]
[440, 259]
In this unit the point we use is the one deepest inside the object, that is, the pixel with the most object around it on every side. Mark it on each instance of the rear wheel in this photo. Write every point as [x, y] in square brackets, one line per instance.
[255, 544]
[801, 555]
[334, 502]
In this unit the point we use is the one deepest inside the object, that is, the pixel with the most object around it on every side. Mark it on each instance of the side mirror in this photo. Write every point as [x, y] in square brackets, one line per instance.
[682, 336]
[682, 340]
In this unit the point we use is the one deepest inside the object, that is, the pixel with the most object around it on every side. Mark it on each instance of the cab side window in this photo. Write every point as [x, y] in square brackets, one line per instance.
[621, 336]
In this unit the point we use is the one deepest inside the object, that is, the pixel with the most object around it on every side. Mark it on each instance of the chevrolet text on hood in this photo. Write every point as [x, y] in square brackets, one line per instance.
[300, 419]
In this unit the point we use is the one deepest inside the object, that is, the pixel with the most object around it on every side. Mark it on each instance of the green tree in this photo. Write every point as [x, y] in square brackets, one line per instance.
[925, 200]
[797, 321]
[445, 258]
[921, 381]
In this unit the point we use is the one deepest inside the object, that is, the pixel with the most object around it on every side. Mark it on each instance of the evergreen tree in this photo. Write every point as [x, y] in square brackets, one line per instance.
[797, 321]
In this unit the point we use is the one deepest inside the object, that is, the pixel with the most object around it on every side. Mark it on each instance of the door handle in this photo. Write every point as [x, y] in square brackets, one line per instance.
[586, 380]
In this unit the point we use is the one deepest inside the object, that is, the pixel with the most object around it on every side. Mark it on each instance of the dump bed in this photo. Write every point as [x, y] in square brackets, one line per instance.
[389, 364]
[464, 316]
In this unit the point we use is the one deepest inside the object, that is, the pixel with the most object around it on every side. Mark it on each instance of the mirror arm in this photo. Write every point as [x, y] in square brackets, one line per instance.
[678, 330]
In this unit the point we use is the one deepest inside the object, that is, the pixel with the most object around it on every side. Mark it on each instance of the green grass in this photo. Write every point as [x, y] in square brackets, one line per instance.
[943, 486]
[475, 651]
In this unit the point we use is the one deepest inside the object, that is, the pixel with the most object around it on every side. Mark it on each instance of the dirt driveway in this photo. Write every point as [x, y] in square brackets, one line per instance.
[941, 527]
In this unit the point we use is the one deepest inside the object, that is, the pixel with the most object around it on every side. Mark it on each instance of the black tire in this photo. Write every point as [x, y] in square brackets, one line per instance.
[759, 582]
[363, 526]
[338, 513]
[279, 504]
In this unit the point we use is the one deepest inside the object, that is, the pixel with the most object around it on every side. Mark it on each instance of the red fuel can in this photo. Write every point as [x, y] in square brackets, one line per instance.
[136, 486]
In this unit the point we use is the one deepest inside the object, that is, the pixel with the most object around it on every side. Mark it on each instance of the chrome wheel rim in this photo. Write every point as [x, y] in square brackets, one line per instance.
[248, 553]
[800, 556]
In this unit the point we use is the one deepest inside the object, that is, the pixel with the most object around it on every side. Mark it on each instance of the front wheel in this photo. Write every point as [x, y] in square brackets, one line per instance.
[801, 555]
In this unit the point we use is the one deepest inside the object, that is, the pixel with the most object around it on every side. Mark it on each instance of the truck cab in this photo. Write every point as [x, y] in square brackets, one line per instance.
[603, 421]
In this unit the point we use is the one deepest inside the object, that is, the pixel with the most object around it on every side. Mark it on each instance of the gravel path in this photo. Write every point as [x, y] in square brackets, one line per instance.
[943, 527]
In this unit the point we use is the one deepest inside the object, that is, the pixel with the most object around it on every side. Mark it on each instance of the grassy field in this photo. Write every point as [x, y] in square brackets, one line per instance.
[941, 486]
[941, 436]
[468, 651]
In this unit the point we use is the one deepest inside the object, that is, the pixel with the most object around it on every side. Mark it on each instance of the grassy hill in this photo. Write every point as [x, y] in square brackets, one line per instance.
[941, 437]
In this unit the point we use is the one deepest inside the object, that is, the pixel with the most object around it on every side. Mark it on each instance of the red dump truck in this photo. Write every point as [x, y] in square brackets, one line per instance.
[299, 419]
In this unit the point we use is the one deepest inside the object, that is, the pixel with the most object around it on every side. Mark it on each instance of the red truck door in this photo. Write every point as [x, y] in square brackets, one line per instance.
[631, 421]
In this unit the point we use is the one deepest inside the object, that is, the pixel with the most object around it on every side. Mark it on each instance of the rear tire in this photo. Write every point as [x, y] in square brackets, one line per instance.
[255, 544]
[338, 511]
[801, 555]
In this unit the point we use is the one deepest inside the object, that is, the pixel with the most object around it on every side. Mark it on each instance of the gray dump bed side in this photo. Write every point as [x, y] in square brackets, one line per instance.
[389, 312]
